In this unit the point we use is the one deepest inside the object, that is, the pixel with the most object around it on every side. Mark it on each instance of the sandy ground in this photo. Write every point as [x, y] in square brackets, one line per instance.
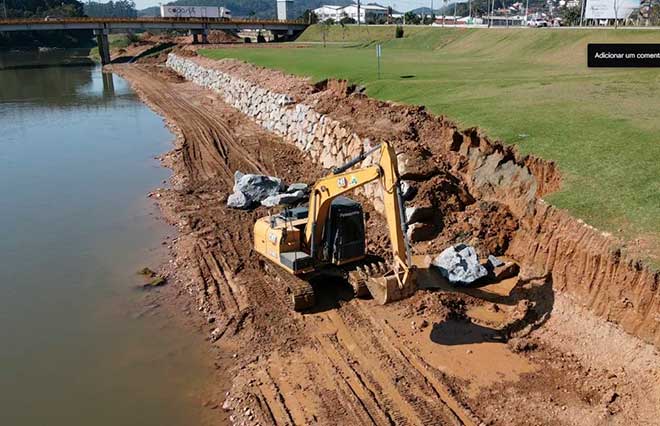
[478, 356]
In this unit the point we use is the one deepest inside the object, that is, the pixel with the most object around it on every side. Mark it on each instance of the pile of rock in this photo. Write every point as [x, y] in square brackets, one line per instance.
[461, 266]
[250, 190]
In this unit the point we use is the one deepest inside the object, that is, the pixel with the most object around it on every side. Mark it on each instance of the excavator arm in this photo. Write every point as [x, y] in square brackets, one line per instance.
[399, 282]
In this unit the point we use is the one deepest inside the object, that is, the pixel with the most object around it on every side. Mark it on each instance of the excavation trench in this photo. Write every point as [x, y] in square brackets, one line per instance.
[512, 352]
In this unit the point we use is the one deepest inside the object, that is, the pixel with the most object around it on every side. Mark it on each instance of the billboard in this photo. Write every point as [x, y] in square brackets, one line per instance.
[610, 9]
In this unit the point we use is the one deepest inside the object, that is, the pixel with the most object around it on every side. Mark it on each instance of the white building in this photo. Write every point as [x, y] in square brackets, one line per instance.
[284, 10]
[328, 12]
[368, 12]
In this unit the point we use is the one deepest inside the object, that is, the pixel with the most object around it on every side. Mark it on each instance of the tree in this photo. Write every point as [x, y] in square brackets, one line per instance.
[654, 13]
[345, 20]
[411, 18]
[309, 17]
[570, 15]
[41, 9]
[111, 9]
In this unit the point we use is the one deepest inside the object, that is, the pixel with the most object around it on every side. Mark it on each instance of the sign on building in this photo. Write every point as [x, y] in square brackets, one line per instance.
[610, 9]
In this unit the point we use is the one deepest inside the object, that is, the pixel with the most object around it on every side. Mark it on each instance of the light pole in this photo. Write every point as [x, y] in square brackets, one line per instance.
[4, 7]
[526, 11]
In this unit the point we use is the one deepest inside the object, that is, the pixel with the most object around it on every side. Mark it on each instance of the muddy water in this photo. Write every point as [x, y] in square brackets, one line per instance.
[78, 343]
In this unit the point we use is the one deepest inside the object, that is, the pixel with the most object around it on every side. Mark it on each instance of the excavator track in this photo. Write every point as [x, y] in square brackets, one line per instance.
[302, 294]
[359, 276]
[294, 291]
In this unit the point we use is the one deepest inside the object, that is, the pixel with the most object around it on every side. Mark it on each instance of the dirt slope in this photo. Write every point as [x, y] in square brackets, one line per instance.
[440, 357]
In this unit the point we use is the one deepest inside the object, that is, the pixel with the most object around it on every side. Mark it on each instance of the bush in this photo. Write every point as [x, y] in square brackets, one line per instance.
[398, 32]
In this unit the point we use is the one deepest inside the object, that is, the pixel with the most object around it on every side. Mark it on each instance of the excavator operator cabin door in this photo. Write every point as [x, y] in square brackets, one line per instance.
[344, 238]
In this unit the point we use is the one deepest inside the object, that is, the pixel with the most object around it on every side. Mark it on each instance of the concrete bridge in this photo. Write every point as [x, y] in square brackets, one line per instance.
[197, 26]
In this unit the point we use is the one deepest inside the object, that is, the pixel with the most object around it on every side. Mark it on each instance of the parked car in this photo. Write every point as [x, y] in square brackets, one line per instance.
[537, 23]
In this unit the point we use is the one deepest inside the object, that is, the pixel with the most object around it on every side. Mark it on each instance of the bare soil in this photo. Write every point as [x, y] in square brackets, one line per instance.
[509, 352]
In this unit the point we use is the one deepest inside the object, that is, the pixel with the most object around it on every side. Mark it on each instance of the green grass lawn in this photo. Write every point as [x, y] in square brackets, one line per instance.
[528, 87]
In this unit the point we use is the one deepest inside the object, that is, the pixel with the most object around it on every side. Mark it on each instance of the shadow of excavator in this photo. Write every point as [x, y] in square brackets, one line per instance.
[530, 299]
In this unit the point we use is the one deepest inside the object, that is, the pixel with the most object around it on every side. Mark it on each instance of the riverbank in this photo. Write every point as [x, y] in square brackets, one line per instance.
[440, 357]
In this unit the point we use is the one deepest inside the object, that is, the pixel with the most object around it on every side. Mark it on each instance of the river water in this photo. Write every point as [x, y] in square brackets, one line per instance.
[78, 344]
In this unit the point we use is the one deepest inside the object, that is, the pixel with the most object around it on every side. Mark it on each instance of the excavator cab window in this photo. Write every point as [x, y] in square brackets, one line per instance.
[344, 238]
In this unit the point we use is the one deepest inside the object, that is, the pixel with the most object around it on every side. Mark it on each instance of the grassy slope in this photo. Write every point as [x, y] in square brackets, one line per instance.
[116, 41]
[528, 87]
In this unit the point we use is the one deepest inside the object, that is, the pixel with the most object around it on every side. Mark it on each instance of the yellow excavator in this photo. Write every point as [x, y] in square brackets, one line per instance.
[328, 235]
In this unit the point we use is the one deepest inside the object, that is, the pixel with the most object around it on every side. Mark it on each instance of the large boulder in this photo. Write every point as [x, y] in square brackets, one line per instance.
[237, 200]
[251, 189]
[283, 199]
[257, 187]
[460, 265]
[294, 187]
[418, 214]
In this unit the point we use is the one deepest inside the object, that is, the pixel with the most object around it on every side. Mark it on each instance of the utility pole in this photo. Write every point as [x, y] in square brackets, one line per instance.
[358, 17]
[4, 7]
[582, 4]
[526, 12]
[492, 12]
[455, 3]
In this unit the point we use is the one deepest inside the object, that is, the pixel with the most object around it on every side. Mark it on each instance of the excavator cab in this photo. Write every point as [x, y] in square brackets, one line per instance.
[344, 238]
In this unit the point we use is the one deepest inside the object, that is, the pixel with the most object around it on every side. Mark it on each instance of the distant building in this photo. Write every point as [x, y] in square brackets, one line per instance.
[285, 10]
[504, 21]
[368, 12]
[326, 12]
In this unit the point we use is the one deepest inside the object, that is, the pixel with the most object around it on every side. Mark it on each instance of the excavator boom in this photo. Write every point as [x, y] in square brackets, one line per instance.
[399, 282]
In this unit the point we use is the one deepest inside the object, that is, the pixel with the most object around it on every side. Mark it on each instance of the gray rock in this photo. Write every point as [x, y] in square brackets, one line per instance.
[460, 265]
[238, 200]
[418, 214]
[493, 263]
[407, 190]
[285, 198]
[297, 187]
[257, 187]
[421, 232]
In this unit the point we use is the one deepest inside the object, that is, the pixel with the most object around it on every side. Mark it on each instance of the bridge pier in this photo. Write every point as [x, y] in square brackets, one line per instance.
[204, 33]
[104, 46]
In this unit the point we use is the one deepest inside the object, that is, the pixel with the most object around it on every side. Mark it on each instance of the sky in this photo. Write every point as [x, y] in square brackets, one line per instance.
[401, 5]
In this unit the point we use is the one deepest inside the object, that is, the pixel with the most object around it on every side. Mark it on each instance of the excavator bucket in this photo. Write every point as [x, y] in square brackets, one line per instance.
[392, 287]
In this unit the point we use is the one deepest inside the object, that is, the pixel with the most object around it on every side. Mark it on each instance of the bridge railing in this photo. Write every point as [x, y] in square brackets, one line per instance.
[148, 20]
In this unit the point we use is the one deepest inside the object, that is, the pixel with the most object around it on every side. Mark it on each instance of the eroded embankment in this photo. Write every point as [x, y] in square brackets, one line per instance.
[464, 187]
